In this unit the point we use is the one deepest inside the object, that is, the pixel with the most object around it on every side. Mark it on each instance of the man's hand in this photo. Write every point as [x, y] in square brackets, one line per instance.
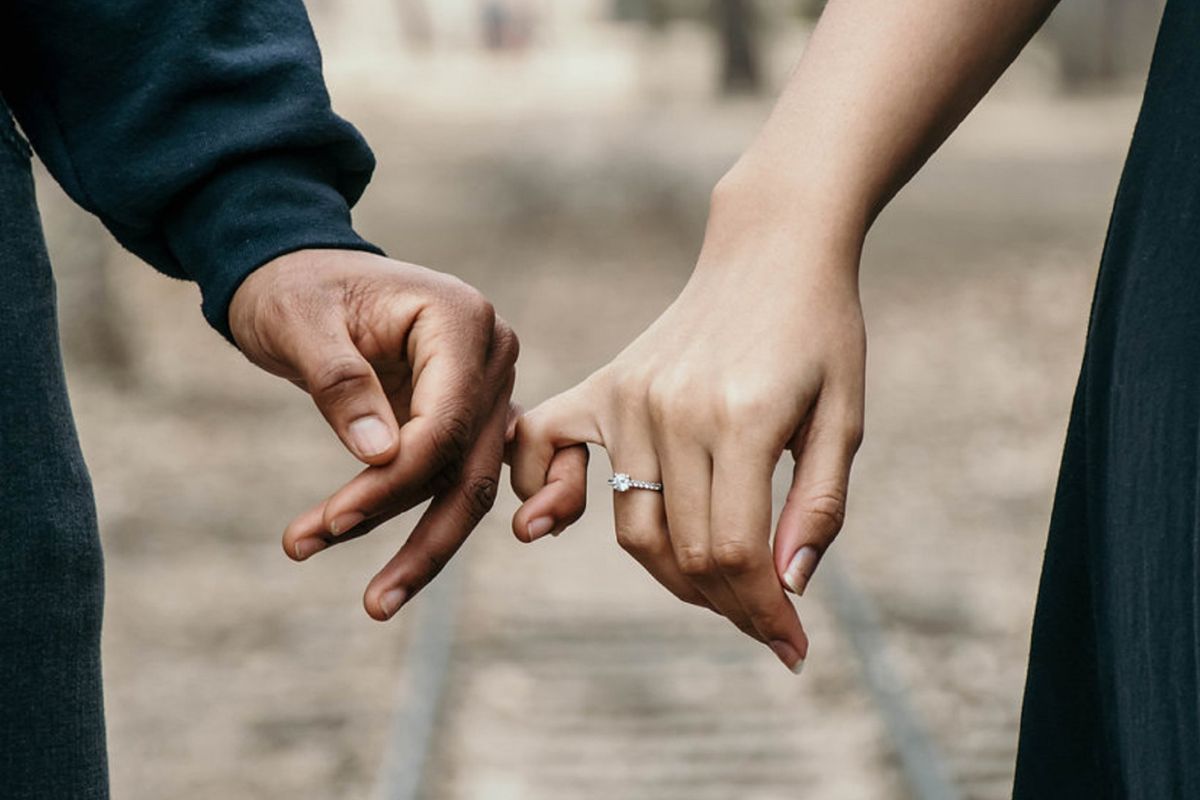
[413, 370]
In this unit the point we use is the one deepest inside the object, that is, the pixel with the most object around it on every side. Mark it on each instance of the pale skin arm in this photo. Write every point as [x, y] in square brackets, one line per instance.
[764, 350]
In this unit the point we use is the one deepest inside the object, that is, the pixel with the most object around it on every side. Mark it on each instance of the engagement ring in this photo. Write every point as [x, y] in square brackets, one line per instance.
[623, 483]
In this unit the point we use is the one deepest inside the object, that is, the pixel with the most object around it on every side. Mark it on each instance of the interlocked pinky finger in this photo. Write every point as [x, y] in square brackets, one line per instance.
[561, 502]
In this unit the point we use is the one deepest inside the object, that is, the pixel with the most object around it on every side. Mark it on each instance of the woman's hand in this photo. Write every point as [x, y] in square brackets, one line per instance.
[764, 349]
[763, 352]
[413, 370]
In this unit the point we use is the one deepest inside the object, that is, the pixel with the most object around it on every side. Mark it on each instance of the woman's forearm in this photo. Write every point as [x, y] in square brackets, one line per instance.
[880, 87]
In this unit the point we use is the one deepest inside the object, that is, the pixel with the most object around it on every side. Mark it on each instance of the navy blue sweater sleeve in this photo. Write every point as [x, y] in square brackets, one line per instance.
[199, 131]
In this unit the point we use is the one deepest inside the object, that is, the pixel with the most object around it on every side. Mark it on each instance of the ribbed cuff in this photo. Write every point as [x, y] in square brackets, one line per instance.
[251, 213]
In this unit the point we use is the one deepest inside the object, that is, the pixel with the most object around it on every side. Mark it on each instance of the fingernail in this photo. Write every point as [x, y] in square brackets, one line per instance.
[540, 527]
[788, 655]
[392, 600]
[307, 547]
[344, 522]
[369, 436]
[801, 569]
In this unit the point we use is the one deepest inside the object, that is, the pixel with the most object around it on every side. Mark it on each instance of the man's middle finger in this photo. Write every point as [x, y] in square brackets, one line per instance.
[445, 525]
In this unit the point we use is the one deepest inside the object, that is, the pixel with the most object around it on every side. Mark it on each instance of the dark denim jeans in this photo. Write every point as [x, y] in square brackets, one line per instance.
[51, 568]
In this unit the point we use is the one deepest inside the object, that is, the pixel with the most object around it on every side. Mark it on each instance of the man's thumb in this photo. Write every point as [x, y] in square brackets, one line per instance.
[348, 392]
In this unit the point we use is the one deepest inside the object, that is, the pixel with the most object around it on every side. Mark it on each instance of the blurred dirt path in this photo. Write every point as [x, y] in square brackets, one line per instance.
[576, 677]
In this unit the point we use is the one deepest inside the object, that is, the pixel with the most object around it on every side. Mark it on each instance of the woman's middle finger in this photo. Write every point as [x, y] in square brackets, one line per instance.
[687, 497]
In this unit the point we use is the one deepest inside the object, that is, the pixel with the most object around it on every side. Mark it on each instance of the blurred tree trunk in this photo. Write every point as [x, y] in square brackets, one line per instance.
[656, 14]
[741, 71]
[416, 23]
[653, 12]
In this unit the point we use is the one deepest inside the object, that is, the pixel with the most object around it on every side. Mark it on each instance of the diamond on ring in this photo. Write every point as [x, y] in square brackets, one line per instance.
[620, 482]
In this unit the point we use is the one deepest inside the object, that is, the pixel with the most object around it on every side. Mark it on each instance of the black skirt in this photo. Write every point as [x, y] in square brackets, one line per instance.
[1112, 699]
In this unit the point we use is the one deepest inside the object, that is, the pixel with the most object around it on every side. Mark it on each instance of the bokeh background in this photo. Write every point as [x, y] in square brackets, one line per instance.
[558, 155]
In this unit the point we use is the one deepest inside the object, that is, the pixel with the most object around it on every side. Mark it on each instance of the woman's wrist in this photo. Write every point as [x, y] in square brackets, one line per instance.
[777, 232]
[754, 203]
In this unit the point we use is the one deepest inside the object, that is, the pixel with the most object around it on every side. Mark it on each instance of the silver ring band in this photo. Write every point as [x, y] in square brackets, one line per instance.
[621, 483]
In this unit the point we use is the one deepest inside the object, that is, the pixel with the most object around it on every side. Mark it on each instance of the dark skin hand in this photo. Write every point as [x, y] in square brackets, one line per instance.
[413, 370]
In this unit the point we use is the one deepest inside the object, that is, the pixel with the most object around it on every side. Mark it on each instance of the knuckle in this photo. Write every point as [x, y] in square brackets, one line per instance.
[632, 391]
[827, 504]
[452, 435]
[478, 309]
[733, 556]
[396, 495]
[505, 344]
[339, 375]
[357, 296]
[695, 561]
[434, 563]
[442, 481]
[661, 403]
[479, 495]
[634, 541]
[740, 407]
[293, 300]
[675, 404]
[464, 303]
